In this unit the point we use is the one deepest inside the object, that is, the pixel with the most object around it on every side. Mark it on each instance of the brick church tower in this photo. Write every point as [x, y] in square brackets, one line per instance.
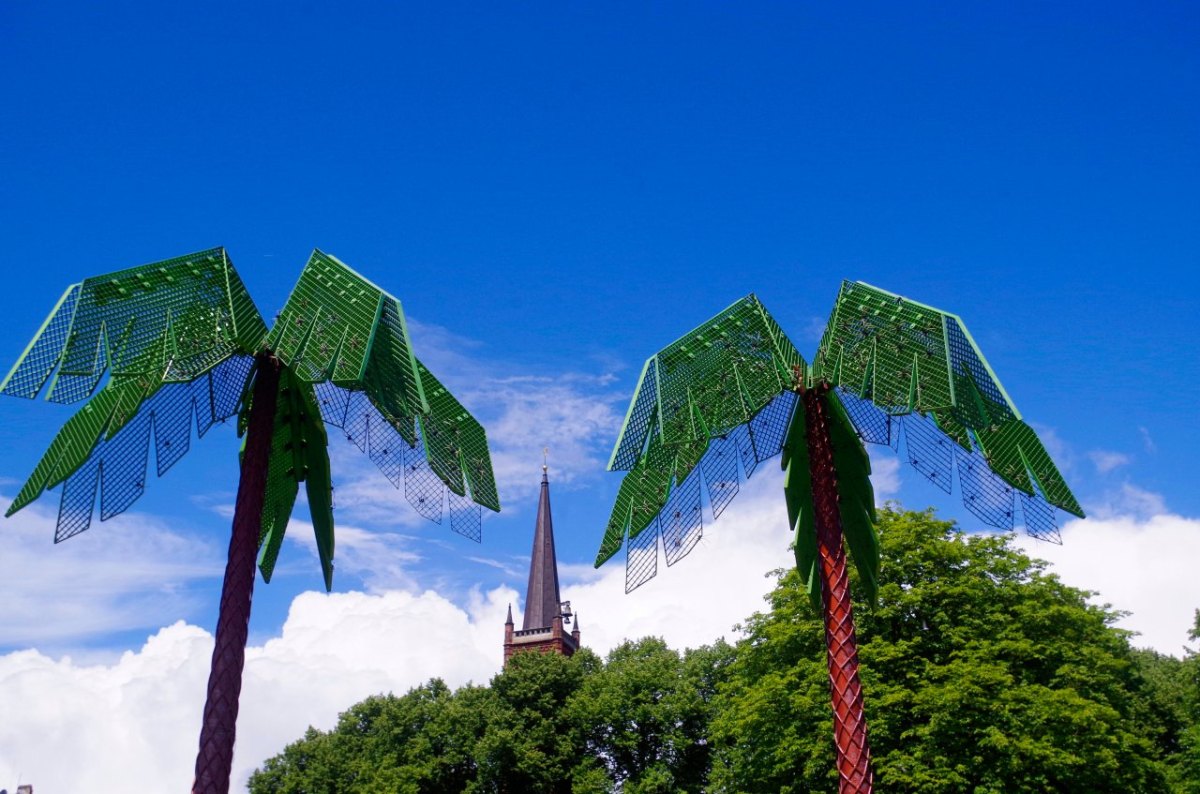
[546, 614]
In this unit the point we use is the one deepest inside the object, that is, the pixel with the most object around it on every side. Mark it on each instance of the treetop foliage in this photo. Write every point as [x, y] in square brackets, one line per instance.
[982, 673]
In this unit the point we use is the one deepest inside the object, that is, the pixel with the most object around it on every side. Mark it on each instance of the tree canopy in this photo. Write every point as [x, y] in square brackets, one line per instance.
[982, 673]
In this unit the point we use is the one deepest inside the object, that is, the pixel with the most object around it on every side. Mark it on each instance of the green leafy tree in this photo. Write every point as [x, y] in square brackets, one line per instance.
[1173, 710]
[531, 743]
[644, 716]
[423, 741]
[987, 675]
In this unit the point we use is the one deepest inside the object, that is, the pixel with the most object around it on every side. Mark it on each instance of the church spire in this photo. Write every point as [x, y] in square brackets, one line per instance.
[547, 618]
[542, 596]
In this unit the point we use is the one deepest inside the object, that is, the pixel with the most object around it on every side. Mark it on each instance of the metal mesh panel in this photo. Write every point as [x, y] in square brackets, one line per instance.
[70, 387]
[985, 494]
[769, 426]
[121, 461]
[929, 450]
[878, 343]
[697, 374]
[391, 377]
[442, 431]
[333, 401]
[340, 330]
[872, 425]
[358, 419]
[123, 467]
[745, 447]
[466, 517]
[228, 384]
[172, 411]
[171, 320]
[965, 361]
[387, 449]
[31, 372]
[720, 469]
[641, 411]
[422, 488]
[78, 501]
[202, 393]
[1039, 518]
[641, 558]
[681, 522]
[328, 320]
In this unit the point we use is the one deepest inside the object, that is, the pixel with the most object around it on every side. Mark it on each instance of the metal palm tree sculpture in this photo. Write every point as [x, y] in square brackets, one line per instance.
[183, 345]
[735, 392]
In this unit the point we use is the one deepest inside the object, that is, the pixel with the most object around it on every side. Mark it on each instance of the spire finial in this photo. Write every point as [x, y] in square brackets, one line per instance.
[545, 455]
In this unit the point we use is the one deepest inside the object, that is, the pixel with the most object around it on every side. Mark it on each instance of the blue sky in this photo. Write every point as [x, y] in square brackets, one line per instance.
[555, 192]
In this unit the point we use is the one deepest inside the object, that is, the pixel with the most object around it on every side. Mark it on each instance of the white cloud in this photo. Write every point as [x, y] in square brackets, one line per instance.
[133, 573]
[702, 596]
[885, 473]
[567, 416]
[1143, 565]
[136, 721]
[1106, 460]
[574, 414]
[1128, 500]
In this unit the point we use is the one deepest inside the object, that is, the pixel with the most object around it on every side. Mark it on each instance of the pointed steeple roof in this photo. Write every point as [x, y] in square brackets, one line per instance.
[541, 597]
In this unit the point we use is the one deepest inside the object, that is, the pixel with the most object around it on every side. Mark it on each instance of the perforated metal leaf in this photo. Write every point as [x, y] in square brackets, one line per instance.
[720, 394]
[146, 328]
[348, 337]
[892, 357]
[167, 418]
[170, 321]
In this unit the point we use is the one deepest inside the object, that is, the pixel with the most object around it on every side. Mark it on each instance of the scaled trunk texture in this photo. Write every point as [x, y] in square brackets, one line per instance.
[215, 758]
[849, 721]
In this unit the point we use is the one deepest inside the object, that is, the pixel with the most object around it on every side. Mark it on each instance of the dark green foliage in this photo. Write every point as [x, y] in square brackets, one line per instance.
[644, 716]
[982, 673]
[545, 724]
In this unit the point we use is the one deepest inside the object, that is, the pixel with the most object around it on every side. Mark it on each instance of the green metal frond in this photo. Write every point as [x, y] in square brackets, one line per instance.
[339, 329]
[714, 378]
[723, 375]
[299, 453]
[905, 358]
[166, 322]
[157, 330]
[856, 499]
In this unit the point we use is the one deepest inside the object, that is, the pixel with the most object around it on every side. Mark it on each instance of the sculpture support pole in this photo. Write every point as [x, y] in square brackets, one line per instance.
[215, 758]
[849, 721]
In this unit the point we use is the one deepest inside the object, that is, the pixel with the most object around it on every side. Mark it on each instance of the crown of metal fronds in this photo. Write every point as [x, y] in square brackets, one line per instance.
[719, 396]
[714, 404]
[178, 339]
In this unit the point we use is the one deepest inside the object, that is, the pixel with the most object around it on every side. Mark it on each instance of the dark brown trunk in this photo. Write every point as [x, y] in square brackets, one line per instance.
[215, 759]
[849, 721]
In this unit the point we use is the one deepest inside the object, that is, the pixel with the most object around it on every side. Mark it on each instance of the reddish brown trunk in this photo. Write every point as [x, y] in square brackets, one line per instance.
[849, 721]
[215, 759]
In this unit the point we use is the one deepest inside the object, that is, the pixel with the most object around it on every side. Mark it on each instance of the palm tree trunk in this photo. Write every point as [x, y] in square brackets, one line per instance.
[849, 721]
[215, 759]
